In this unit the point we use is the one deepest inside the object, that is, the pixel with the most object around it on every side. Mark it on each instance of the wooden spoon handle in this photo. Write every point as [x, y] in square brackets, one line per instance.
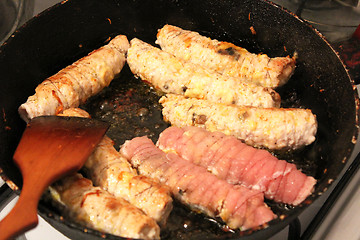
[23, 216]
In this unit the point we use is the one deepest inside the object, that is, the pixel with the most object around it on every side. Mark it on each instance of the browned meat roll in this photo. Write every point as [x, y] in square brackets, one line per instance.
[98, 209]
[272, 128]
[113, 173]
[174, 75]
[226, 58]
[74, 84]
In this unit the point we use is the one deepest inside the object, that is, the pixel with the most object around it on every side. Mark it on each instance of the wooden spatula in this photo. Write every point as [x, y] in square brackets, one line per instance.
[50, 148]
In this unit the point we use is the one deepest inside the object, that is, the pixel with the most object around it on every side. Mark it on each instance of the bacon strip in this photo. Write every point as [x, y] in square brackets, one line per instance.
[98, 209]
[237, 206]
[237, 163]
[113, 173]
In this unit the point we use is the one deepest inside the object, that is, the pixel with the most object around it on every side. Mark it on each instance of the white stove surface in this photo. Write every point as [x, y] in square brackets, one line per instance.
[43, 230]
[342, 221]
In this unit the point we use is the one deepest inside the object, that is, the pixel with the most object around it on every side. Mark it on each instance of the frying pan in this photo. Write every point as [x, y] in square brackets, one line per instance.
[69, 30]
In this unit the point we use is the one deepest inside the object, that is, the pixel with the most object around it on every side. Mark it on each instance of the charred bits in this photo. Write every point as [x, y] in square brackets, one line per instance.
[199, 119]
[230, 51]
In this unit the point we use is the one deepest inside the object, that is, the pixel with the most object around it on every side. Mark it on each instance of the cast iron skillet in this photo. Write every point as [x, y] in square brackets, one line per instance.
[71, 29]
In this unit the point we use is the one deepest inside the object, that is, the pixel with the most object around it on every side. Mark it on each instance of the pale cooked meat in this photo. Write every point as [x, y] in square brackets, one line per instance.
[113, 173]
[237, 163]
[98, 209]
[226, 58]
[44, 99]
[74, 84]
[272, 128]
[193, 185]
[103, 64]
[79, 79]
[68, 90]
[74, 112]
[174, 75]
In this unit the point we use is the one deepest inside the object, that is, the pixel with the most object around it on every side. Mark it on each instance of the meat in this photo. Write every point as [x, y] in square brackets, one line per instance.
[237, 206]
[74, 112]
[230, 159]
[96, 208]
[74, 84]
[272, 128]
[226, 58]
[113, 173]
[174, 75]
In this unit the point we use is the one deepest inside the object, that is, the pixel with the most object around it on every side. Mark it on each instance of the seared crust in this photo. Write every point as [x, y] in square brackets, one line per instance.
[226, 58]
[272, 128]
[74, 84]
[174, 75]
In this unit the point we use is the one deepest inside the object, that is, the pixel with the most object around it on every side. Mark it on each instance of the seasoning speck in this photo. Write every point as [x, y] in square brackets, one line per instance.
[142, 112]
[252, 29]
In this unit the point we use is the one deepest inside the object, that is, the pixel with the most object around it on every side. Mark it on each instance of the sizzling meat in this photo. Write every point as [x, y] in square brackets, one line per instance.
[96, 208]
[174, 75]
[74, 84]
[113, 173]
[273, 128]
[237, 206]
[226, 58]
[237, 163]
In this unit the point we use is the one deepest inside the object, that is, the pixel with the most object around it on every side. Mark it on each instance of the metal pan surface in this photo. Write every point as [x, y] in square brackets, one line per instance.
[69, 30]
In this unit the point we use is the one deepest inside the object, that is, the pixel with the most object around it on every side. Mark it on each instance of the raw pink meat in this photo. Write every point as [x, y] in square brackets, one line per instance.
[237, 163]
[193, 185]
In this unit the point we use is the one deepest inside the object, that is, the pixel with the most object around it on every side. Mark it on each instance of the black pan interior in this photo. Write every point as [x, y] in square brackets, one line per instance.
[71, 29]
